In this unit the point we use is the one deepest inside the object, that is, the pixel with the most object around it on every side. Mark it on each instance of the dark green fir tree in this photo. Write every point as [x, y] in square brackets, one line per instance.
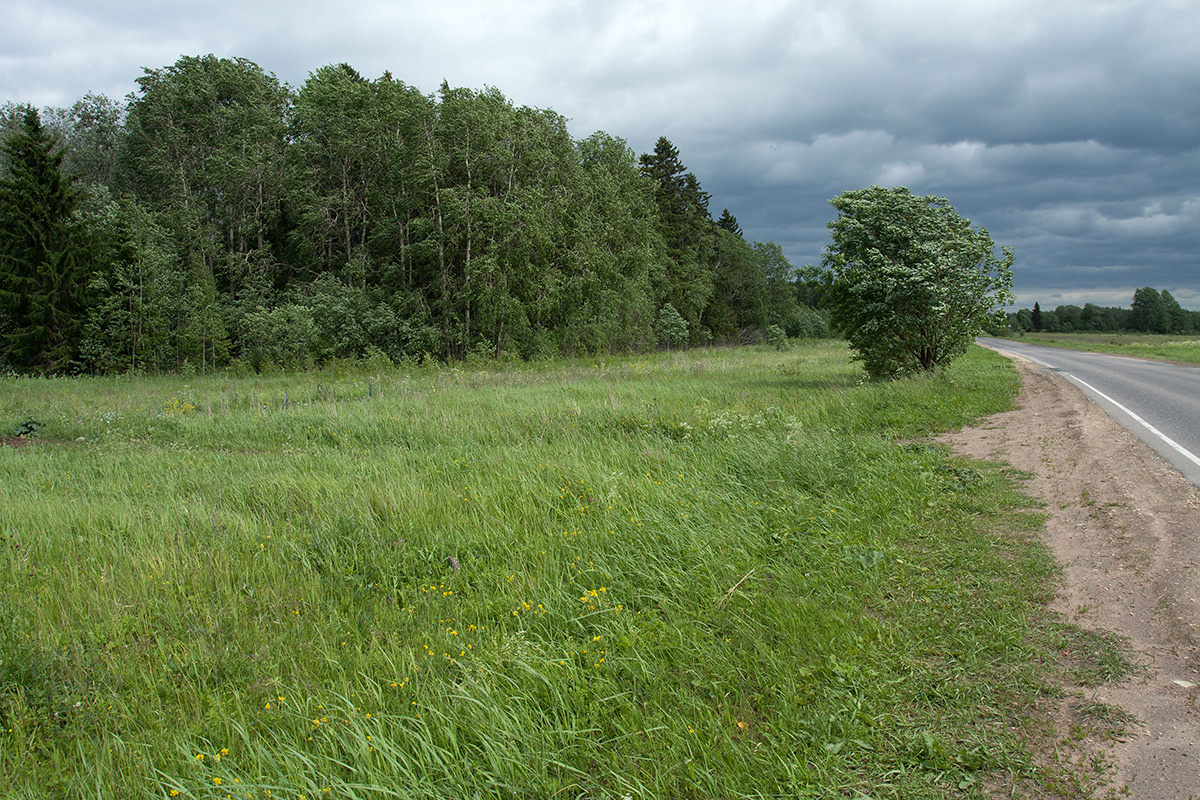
[729, 223]
[687, 230]
[41, 299]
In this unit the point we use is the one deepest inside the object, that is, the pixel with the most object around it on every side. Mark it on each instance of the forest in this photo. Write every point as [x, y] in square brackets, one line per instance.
[220, 219]
[1150, 311]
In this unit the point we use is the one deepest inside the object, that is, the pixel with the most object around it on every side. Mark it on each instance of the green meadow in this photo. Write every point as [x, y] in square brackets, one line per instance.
[710, 574]
[1179, 347]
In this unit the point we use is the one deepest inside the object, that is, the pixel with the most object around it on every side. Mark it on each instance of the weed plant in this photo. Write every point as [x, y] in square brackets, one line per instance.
[726, 573]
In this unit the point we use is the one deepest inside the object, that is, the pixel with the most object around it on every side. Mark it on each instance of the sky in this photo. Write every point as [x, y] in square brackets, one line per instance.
[1069, 129]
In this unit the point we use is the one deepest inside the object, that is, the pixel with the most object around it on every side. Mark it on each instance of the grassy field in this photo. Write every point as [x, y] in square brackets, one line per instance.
[1183, 348]
[727, 573]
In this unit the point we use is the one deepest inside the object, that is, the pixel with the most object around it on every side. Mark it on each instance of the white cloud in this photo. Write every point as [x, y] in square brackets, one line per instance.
[905, 174]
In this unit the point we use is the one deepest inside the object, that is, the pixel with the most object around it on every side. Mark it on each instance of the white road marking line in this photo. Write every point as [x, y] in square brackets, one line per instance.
[1169, 441]
[1174, 445]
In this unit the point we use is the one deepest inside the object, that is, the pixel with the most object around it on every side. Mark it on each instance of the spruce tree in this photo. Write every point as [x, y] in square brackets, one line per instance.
[682, 204]
[729, 223]
[41, 306]
[687, 229]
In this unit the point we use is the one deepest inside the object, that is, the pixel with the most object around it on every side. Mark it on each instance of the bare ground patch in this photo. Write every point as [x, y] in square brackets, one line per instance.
[1125, 527]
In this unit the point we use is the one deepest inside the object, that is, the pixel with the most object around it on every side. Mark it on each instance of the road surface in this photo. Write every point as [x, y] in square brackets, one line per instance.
[1158, 402]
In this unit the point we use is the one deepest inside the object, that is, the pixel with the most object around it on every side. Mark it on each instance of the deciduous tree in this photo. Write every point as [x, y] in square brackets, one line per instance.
[1149, 312]
[1180, 320]
[204, 147]
[911, 282]
[91, 131]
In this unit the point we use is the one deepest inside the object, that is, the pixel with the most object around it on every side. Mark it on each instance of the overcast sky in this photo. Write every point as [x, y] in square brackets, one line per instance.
[1070, 129]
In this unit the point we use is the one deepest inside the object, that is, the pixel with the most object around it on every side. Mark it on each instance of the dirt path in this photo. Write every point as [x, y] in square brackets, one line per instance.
[1126, 529]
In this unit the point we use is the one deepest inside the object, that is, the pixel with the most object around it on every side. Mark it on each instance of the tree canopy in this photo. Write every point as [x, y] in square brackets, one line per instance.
[233, 218]
[1151, 311]
[911, 282]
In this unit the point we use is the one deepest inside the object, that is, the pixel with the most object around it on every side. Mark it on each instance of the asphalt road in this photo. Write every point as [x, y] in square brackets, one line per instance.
[1156, 401]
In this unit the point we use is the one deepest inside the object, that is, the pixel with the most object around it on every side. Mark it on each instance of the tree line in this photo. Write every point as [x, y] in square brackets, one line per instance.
[1151, 311]
[219, 217]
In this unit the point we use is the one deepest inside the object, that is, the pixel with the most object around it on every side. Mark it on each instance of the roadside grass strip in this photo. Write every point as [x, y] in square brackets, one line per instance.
[1182, 348]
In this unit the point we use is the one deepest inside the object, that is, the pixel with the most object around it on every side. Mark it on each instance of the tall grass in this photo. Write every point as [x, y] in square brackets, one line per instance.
[734, 573]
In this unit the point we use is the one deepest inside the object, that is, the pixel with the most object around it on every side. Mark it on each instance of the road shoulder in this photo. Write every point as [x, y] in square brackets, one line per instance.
[1125, 528]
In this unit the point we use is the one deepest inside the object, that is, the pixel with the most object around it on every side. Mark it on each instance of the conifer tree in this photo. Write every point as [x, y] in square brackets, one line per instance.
[729, 223]
[41, 245]
[687, 230]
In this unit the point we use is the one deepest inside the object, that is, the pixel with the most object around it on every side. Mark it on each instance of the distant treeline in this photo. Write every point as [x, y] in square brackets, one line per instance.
[222, 218]
[1151, 311]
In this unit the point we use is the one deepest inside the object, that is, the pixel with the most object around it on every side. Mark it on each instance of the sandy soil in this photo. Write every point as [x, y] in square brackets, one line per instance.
[1125, 527]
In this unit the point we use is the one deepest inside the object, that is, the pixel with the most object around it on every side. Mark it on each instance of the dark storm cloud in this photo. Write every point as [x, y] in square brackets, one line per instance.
[1071, 130]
